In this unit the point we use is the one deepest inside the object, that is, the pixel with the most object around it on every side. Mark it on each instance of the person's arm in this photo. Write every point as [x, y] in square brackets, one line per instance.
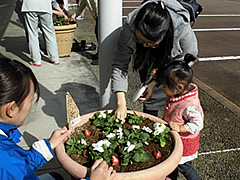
[99, 170]
[122, 57]
[58, 11]
[194, 121]
[121, 110]
[72, 167]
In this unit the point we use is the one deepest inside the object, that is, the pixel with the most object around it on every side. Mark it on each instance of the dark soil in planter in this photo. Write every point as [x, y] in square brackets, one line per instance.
[150, 149]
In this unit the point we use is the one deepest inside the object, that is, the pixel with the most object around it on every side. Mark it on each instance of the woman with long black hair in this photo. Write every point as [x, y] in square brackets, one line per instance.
[155, 32]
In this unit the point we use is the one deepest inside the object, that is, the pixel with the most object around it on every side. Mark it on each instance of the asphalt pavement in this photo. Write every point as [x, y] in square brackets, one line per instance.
[219, 156]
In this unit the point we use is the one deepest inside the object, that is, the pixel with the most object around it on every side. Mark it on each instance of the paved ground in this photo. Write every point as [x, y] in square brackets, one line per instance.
[219, 152]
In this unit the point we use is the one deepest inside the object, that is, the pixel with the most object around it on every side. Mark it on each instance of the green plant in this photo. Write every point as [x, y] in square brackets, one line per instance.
[120, 143]
[60, 21]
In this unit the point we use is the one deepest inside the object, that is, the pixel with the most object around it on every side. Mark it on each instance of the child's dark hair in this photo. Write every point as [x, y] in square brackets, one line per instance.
[178, 72]
[15, 82]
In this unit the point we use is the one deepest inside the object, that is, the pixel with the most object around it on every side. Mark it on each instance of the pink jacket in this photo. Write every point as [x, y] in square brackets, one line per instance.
[173, 111]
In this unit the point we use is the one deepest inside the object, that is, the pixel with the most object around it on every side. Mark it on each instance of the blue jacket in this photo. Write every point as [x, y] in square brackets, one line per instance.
[16, 162]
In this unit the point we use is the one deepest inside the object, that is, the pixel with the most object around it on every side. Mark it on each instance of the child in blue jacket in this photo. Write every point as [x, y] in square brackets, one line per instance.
[17, 88]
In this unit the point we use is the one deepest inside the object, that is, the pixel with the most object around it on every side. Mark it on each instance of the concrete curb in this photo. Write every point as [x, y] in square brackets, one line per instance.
[218, 97]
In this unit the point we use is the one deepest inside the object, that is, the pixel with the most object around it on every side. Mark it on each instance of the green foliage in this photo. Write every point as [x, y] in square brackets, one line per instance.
[74, 145]
[60, 21]
[135, 119]
[163, 137]
[125, 143]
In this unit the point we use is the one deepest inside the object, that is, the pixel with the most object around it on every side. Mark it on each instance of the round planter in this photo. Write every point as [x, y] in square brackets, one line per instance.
[158, 172]
[65, 36]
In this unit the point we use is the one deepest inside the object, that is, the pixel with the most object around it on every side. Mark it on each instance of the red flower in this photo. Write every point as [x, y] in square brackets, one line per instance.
[87, 133]
[85, 153]
[157, 154]
[115, 160]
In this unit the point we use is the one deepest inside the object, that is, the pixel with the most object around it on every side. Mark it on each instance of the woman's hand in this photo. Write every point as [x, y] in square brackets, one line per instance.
[59, 136]
[101, 171]
[148, 92]
[121, 111]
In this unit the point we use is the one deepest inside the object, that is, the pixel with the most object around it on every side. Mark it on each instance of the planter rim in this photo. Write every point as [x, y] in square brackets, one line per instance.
[64, 27]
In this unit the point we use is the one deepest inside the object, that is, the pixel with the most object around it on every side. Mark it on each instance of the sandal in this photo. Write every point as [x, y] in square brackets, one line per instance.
[36, 63]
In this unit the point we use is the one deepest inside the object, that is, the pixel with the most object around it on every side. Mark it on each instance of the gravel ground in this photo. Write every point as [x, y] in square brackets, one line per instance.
[219, 155]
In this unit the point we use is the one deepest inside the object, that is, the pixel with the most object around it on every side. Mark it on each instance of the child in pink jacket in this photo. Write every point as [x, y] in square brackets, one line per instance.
[183, 112]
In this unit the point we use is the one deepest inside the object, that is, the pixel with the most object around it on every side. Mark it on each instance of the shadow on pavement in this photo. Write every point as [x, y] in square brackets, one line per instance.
[55, 104]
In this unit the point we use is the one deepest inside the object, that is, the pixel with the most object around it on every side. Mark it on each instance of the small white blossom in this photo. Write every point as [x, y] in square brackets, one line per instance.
[129, 147]
[135, 127]
[83, 142]
[119, 133]
[146, 143]
[155, 125]
[147, 129]
[102, 114]
[159, 128]
[111, 135]
[99, 145]
[117, 120]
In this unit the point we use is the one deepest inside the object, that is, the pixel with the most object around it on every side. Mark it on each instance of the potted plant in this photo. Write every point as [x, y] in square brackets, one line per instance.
[123, 145]
[64, 34]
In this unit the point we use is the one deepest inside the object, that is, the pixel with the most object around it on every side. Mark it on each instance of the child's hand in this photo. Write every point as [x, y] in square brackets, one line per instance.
[174, 126]
[101, 171]
[59, 136]
[177, 127]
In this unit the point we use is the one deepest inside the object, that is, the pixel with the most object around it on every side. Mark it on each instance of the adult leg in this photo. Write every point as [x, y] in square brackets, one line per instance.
[31, 19]
[50, 36]
[188, 171]
[82, 6]
[18, 8]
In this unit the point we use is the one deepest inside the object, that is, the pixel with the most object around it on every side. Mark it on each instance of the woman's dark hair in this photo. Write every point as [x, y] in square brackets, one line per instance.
[60, 1]
[15, 82]
[154, 22]
[178, 72]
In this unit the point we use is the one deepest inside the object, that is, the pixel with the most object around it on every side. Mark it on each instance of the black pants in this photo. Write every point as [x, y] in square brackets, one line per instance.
[152, 112]
[187, 170]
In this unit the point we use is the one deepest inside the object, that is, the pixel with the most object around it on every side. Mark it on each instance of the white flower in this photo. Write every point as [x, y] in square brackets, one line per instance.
[147, 129]
[159, 128]
[83, 142]
[117, 120]
[129, 147]
[102, 114]
[111, 135]
[119, 133]
[155, 125]
[99, 145]
[135, 127]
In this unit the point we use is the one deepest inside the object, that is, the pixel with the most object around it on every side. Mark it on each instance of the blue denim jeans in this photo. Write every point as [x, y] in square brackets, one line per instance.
[187, 170]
